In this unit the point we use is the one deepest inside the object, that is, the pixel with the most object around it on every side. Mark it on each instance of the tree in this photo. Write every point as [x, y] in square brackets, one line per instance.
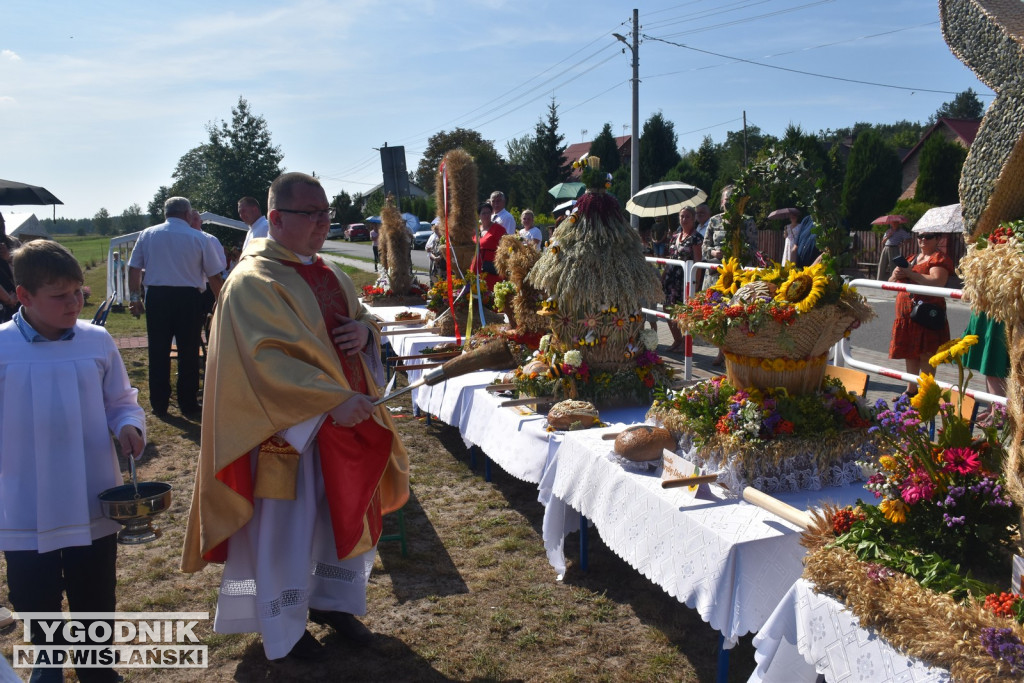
[101, 222]
[156, 205]
[491, 170]
[239, 159]
[874, 177]
[523, 185]
[345, 211]
[938, 177]
[131, 219]
[606, 150]
[547, 154]
[965, 105]
[658, 149]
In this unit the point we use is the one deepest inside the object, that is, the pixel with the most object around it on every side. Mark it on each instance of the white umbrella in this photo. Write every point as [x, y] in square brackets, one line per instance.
[564, 205]
[941, 219]
[662, 199]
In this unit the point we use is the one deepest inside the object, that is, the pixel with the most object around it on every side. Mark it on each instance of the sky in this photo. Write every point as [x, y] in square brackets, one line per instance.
[99, 100]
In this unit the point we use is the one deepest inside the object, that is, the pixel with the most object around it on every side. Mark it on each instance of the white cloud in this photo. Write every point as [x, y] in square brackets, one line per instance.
[10, 55]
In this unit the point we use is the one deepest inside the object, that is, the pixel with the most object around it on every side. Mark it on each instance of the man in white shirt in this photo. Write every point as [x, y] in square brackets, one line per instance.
[703, 216]
[500, 215]
[178, 262]
[530, 233]
[252, 215]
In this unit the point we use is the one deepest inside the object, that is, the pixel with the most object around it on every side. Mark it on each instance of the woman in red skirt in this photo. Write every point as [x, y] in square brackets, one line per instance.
[912, 342]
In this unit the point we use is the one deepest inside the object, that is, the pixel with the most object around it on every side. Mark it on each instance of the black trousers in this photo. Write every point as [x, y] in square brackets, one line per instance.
[88, 574]
[174, 312]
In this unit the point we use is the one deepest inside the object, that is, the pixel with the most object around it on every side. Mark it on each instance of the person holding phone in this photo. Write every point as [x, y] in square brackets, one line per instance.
[911, 341]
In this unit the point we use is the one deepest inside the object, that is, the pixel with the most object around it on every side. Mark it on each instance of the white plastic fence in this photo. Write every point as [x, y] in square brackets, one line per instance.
[842, 349]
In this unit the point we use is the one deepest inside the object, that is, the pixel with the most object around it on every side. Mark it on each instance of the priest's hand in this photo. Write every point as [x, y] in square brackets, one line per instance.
[352, 411]
[350, 336]
[131, 441]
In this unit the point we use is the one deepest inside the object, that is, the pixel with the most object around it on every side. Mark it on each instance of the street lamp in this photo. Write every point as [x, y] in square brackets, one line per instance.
[634, 146]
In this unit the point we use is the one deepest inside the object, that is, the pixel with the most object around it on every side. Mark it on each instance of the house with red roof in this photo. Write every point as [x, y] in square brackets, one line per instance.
[960, 131]
[624, 143]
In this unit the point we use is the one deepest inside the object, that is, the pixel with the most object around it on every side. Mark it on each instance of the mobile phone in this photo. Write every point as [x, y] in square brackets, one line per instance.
[901, 261]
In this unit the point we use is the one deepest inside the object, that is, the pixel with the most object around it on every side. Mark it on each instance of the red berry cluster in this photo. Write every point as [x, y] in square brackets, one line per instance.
[1001, 604]
[844, 519]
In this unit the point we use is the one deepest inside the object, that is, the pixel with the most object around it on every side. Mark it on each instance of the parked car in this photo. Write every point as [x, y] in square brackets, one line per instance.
[420, 237]
[336, 231]
[357, 232]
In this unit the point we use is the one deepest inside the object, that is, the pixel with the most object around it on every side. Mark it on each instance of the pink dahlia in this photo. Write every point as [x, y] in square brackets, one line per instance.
[961, 460]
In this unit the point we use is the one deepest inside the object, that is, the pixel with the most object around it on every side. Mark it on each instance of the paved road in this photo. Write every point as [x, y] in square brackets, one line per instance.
[364, 250]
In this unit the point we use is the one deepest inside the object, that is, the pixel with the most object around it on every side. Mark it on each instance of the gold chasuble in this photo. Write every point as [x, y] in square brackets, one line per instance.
[272, 365]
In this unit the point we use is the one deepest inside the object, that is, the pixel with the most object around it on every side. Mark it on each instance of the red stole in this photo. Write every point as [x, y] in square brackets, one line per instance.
[352, 459]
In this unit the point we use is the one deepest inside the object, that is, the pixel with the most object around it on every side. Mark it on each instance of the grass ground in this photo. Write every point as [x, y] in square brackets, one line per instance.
[474, 599]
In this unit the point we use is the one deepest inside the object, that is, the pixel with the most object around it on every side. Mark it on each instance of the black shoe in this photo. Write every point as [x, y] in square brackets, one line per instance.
[344, 623]
[193, 413]
[308, 649]
[160, 412]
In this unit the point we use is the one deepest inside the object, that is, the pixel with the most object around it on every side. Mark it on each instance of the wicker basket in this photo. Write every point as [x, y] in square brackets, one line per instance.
[795, 376]
[810, 335]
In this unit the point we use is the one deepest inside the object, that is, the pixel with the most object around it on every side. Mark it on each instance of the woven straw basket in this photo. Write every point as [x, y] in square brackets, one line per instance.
[798, 381]
[808, 339]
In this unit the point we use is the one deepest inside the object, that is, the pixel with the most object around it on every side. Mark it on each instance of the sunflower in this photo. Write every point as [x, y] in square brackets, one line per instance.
[926, 400]
[952, 350]
[727, 277]
[803, 288]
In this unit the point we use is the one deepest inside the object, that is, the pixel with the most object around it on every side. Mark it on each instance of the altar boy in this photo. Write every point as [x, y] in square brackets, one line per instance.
[63, 390]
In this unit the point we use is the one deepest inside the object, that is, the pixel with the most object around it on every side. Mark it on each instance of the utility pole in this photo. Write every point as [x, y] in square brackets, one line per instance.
[634, 145]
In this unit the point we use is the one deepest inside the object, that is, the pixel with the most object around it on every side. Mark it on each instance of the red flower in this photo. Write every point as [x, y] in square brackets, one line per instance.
[1001, 604]
[844, 519]
[722, 426]
[785, 427]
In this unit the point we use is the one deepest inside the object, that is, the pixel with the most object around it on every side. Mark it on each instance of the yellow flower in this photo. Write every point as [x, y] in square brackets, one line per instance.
[894, 510]
[953, 349]
[727, 283]
[803, 288]
[926, 400]
[887, 462]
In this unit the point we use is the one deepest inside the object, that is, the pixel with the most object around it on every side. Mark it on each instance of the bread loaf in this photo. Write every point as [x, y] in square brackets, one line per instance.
[640, 443]
[571, 414]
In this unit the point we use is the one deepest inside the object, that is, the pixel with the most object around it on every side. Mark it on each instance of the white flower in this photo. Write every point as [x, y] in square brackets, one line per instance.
[545, 341]
[573, 358]
[649, 338]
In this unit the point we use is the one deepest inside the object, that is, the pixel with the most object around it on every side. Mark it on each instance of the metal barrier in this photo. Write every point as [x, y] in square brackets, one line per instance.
[842, 349]
[689, 270]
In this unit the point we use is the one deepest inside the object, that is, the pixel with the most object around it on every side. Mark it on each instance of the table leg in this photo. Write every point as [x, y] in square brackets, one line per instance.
[487, 468]
[428, 419]
[472, 457]
[584, 543]
[723, 661]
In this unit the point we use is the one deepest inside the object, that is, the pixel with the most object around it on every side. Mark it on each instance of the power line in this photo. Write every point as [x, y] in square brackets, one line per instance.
[798, 71]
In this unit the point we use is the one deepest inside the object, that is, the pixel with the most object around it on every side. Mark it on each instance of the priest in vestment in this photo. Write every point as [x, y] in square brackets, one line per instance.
[296, 465]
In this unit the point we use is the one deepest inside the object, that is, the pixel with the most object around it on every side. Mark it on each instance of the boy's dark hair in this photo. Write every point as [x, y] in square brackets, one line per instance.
[41, 262]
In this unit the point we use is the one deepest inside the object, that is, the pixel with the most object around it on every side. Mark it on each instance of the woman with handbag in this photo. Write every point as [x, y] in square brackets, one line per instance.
[920, 327]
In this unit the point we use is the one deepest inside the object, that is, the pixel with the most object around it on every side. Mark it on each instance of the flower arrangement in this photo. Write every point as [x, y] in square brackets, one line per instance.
[437, 296]
[381, 290]
[770, 439]
[775, 324]
[939, 540]
[787, 293]
[566, 374]
[717, 408]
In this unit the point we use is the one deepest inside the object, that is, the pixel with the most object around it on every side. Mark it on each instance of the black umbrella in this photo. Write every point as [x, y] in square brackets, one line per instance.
[16, 194]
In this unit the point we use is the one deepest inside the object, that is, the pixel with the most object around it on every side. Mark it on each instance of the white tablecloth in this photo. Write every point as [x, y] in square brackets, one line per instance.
[730, 560]
[810, 633]
[386, 314]
[453, 400]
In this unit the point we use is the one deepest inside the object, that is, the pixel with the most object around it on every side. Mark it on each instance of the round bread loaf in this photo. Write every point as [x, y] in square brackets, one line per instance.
[571, 414]
[535, 366]
[640, 443]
